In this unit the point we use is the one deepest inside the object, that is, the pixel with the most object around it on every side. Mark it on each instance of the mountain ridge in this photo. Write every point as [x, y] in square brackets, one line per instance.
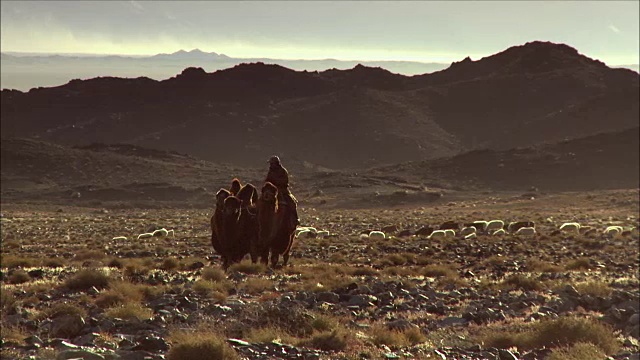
[524, 95]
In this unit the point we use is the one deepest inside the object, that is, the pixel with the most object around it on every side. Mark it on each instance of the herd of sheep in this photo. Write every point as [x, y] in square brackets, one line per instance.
[245, 223]
[451, 229]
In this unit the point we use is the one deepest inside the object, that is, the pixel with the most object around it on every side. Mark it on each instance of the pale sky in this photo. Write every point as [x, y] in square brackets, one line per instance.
[427, 31]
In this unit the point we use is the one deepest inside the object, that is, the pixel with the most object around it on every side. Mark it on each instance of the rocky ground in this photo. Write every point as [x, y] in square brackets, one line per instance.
[69, 291]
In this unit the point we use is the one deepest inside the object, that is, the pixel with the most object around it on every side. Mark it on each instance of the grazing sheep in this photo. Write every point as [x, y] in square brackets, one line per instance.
[449, 233]
[161, 232]
[437, 235]
[305, 234]
[119, 238]
[526, 231]
[145, 235]
[308, 228]
[612, 231]
[452, 225]
[513, 227]
[480, 225]
[424, 231]
[235, 186]
[468, 230]
[494, 225]
[499, 232]
[471, 236]
[377, 235]
[570, 227]
[556, 232]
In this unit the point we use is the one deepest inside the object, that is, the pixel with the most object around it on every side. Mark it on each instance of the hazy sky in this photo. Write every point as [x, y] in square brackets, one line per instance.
[360, 30]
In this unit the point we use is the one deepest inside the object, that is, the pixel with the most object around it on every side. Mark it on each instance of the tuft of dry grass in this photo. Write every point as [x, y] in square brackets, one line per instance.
[61, 309]
[86, 254]
[535, 265]
[213, 274]
[87, 278]
[199, 346]
[19, 277]
[12, 261]
[13, 334]
[522, 282]
[561, 332]
[248, 268]
[363, 271]
[119, 293]
[334, 340]
[579, 264]
[170, 263]
[439, 271]
[215, 290]
[594, 288]
[578, 351]
[129, 311]
[269, 334]
[381, 335]
[257, 286]
[7, 300]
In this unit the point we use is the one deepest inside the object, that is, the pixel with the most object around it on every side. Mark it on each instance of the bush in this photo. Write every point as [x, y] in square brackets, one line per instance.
[129, 311]
[170, 264]
[248, 268]
[522, 282]
[19, 277]
[335, 340]
[561, 332]
[579, 351]
[85, 279]
[213, 274]
[61, 309]
[200, 346]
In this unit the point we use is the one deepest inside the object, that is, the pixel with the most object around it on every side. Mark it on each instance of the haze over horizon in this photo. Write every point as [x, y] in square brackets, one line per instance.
[344, 30]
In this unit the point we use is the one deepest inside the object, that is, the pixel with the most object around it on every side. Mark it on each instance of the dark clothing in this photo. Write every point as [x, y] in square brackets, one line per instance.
[279, 176]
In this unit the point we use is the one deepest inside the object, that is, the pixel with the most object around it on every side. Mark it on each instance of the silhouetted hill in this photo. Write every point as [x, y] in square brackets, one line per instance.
[528, 94]
[601, 161]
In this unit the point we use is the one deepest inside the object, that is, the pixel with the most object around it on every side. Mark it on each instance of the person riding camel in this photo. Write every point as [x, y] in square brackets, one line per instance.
[279, 176]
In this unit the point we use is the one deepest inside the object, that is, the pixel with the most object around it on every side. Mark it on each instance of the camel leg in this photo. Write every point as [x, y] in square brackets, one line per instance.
[274, 259]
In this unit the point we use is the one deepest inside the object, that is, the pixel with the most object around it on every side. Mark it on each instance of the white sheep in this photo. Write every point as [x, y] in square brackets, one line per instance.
[160, 232]
[323, 234]
[145, 235]
[494, 225]
[480, 225]
[526, 231]
[471, 236]
[119, 238]
[449, 233]
[377, 235]
[437, 235]
[570, 227]
[468, 230]
[612, 231]
[306, 228]
[305, 234]
[499, 232]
